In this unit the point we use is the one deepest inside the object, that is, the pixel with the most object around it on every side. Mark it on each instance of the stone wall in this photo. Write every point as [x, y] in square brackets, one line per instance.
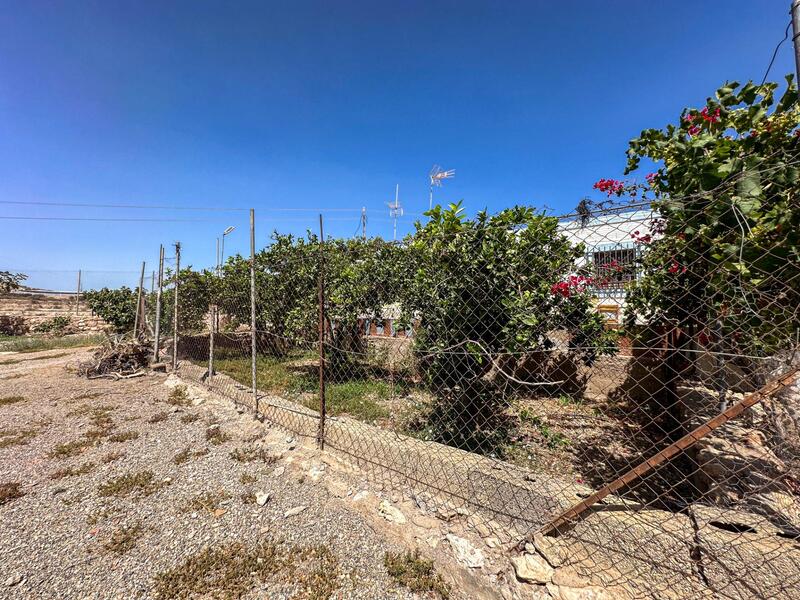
[37, 307]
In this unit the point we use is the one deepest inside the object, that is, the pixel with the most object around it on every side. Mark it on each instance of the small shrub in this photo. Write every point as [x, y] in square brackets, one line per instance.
[10, 491]
[87, 467]
[418, 574]
[189, 418]
[124, 539]
[142, 483]
[158, 417]
[123, 436]
[11, 326]
[182, 456]
[111, 457]
[179, 396]
[247, 478]
[57, 326]
[216, 435]
[209, 501]
[251, 453]
[68, 449]
[11, 400]
[16, 437]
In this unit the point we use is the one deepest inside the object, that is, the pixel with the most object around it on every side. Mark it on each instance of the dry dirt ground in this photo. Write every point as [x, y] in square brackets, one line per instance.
[128, 489]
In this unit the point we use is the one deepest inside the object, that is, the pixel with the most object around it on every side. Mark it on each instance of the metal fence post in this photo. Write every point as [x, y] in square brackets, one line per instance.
[139, 316]
[321, 334]
[175, 309]
[253, 307]
[212, 331]
[78, 295]
[157, 342]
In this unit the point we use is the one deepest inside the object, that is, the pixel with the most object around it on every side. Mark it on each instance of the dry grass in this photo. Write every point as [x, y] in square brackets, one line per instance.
[16, 437]
[208, 501]
[85, 468]
[216, 435]
[15, 361]
[124, 539]
[232, 570]
[69, 449]
[186, 454]
[418, 574]
[123, 436]
[247, 478]
[10, 491]
[158, 417]
[142, 483]
[247, 454]
[11, 400]
[178, 396]
[189, 418]
[111, 457]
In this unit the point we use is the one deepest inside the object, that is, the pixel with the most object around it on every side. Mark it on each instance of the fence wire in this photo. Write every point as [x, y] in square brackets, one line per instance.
[609, 387]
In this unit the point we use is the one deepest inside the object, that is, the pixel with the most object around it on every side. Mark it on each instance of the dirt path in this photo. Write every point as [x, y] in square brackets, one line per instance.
[194, 471]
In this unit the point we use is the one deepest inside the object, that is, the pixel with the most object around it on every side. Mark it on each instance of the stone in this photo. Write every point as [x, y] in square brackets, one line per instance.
[315, 472]
[465, 553]
[262, 498]
[279, 471]
[567, 577]
[14, 580]
[360, 496]
[532, 568]
[294, 511]
[391, 513]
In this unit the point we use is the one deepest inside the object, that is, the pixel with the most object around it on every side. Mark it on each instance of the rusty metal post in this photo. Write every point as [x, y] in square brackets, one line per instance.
[253, 308]
[157, 341]
[321, 333]
[175, 308]
[78, 295]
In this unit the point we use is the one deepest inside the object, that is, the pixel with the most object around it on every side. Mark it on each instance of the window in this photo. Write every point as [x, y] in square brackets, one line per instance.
[614, 267]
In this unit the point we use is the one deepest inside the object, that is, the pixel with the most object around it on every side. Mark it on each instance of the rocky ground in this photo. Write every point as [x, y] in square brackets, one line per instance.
[156, 488]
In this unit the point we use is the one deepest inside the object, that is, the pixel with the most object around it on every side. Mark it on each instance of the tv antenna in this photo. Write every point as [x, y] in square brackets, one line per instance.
[395, 210]
[436, 176]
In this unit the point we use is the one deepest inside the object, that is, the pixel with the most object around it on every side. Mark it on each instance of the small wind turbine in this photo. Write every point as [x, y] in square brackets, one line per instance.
[395, 210]
[436, 176]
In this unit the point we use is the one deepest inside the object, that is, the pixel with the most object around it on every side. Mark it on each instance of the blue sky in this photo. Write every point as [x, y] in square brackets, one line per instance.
[329, 105]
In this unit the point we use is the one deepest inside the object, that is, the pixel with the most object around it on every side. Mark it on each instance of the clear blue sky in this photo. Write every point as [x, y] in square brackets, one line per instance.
[329, 104]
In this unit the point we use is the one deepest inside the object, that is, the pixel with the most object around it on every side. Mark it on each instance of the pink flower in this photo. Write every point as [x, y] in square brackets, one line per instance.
[610, 186]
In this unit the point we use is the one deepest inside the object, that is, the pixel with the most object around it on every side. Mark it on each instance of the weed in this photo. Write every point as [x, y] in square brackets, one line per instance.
[97, 516]
[182, 456]
[248, 498]
[233, 569]
[11, 400]
[38, 343]
[111, 457]
[189, 418]
[216, 435]
[142, 483]
[247, 478]
[123, 436]
[124, 538]
[247, 454]
[418, 574]
[15, 361]
[88, 396]
[16, 437]
[565, 400]
[209, 501]
[178, 396]
[10, 491]
[158, 417]
[86, 467]
[68, 449]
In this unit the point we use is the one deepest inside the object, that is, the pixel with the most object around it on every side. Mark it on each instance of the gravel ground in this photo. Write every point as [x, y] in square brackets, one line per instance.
[55, 537]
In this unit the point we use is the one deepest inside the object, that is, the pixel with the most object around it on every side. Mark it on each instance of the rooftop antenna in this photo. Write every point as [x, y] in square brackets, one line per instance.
[436, 176]
[395, 210]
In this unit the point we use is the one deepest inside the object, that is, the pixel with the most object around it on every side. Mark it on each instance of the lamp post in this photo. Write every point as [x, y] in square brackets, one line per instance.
[221, 257]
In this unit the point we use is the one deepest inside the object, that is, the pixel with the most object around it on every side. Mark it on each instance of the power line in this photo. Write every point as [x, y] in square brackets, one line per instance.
[145, 220]
[775, 53]
[172, 207]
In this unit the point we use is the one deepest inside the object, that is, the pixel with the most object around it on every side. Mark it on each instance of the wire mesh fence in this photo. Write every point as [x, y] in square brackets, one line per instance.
[614, 387]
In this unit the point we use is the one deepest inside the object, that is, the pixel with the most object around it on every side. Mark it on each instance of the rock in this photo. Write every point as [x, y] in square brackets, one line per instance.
[14, 580]
[315, 472]
[567, 577]
[279, 471]
[294, 511]
[159, 367]
[391, 513]
[262, 498]
[492, 542]
[465, 552]
[583, 593]
[532, 568]
[360, 496]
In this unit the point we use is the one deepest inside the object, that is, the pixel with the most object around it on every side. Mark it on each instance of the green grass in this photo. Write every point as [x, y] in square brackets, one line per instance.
[32, 343]
[359, 398]
[15, 361]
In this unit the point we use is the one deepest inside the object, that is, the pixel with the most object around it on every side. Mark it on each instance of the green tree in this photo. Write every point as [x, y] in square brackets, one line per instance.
[117, 307]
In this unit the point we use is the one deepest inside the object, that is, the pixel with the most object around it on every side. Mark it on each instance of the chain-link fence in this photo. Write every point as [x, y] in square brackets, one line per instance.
[616, 387]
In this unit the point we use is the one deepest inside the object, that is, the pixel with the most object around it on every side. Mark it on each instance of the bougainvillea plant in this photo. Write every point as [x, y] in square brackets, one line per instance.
[724, 245]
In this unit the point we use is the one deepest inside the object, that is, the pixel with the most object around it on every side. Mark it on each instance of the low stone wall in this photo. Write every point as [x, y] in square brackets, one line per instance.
[38, 307]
